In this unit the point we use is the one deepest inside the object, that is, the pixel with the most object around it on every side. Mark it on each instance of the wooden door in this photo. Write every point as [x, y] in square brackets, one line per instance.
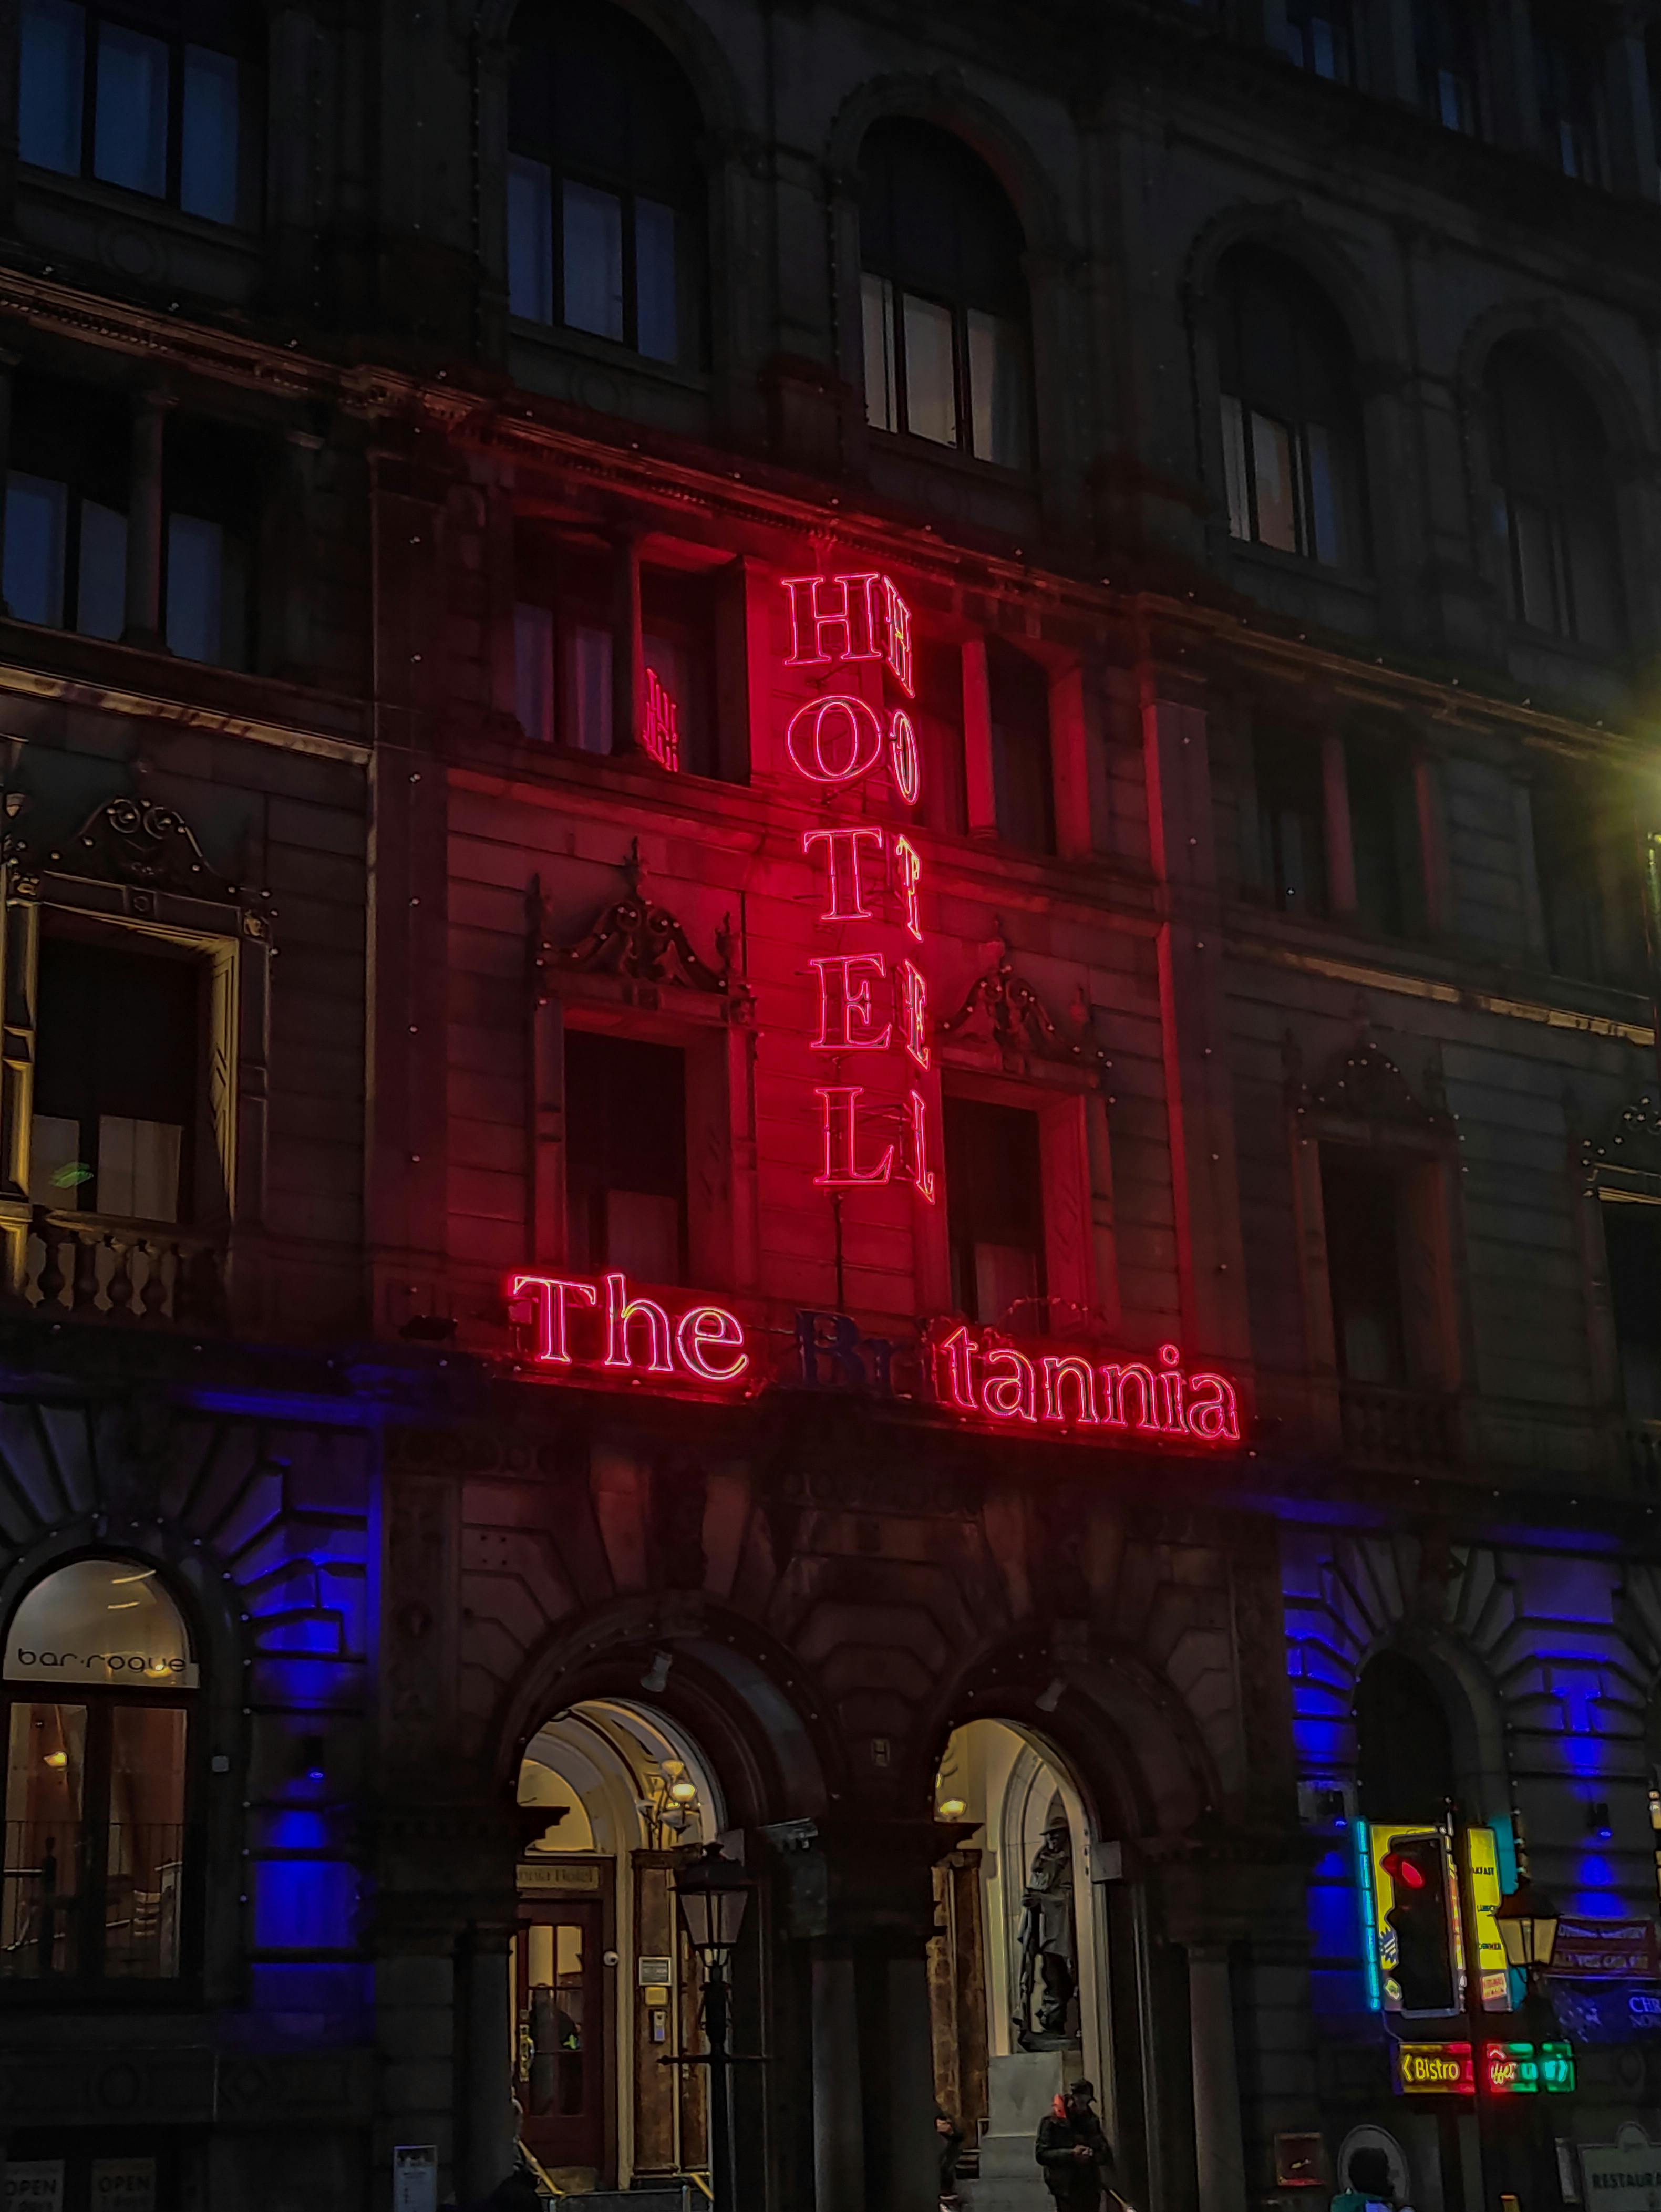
[561, 2069]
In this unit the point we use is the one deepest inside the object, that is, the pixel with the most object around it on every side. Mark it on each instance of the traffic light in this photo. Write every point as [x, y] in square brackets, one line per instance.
[1419, 1918]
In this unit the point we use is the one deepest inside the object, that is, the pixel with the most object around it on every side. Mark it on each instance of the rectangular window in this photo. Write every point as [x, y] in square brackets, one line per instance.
[1322, 494]
[586, 723]
[207, 136]
[533, 670]
[593, 243]
[129, 122]
[997, 389]
[1384, 841]
[1234, 469]
[657, 312]
[530, 240]
[37, 518]
[1292, 823]
[931, 396]
[1023, 782]
[1632, 1244]
[995, 1213]
[625, 1153]
[40, 1920]
[881, 370]
[1274, 480]
[117, 1051]
[52, 73]
[1361, 1201]
[195, 588]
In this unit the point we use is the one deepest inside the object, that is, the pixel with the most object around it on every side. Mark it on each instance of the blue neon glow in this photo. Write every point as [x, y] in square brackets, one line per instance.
[304, 1904]
[1369, 1916]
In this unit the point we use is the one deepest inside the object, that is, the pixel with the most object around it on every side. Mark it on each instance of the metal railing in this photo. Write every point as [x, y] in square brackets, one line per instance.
[84, 1903]
[97, 1267]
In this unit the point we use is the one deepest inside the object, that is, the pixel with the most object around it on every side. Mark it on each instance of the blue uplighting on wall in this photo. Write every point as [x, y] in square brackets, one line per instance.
[304, 1904]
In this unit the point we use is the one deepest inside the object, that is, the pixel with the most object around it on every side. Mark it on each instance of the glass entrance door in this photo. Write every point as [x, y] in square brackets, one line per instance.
[560, 2070]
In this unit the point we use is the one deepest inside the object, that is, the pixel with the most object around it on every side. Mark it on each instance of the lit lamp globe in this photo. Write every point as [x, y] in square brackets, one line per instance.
[1526, 1923]
[713, 1891]
[951, 1808]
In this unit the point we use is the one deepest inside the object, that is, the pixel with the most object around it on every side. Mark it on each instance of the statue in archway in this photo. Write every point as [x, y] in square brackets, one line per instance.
[1050, 1944]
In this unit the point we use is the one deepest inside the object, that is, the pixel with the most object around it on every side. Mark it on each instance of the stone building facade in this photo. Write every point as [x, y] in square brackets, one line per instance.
[827, 1023]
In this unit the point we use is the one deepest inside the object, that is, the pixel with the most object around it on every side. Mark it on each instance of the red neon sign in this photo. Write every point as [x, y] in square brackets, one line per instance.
[661, 733]
[984, 1377]
[626, 1335]
[834, 743]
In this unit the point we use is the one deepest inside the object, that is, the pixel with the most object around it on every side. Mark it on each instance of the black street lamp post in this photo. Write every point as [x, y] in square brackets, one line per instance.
[1526, 1923]
[713, 1891]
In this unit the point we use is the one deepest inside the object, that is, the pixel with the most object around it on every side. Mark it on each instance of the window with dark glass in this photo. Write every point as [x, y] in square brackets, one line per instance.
[1446, 45]
[1384, 841]
[995, 1211]
[564, 655]
[625, 1156]
[211, 486]
[1587, 862]
[1292, 821]
[1404, 1748]
[943, 296]
[156, 96]
[1291, 425]
[1554, 500]
[1361, 1203]
[1320, 37]
[937, 712]
[1023, 785]
[119, 1077]
[1568, 68]
[98, 1681]
[1632, 1245]
[66, 508]
[605, 190]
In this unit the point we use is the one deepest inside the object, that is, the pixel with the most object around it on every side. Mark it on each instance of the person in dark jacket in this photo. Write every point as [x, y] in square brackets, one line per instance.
[1075, 2156]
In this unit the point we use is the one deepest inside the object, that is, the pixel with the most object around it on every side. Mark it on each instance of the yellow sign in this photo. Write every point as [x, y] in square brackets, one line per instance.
[1485, 1894]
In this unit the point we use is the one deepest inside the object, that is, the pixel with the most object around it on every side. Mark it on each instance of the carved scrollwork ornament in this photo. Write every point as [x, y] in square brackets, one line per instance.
[1019, 1023]
[146, 848]
[637, 940]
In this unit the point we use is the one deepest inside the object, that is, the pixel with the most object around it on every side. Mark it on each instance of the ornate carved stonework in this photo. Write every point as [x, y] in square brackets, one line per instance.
[1016, 1019]
[135, 842]
[1628, 1146]
[1365, 1085]
[633, 939]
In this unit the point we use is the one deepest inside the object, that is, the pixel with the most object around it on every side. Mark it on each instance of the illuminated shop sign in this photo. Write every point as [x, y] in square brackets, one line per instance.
[1509, 2069]
[872, 999]
[576, 1321]
[978, 1373]
[661, 726]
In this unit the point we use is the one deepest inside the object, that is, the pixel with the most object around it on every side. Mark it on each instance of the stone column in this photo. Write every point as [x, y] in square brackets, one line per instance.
[980, 798]
[838, 2120]
[144, 521]
[914, 2165]
[1220, 2147]
[7, 362]
[299, 579]
[491, 2135]
[628, 651]
[1341, 847]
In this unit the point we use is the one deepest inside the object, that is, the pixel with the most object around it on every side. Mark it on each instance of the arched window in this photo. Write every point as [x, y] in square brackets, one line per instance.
[1568, 69]
[157, 96]
[943, 296]
[1404, 1748]
[1291, 437]
[1555, 498]
[604, 192]
[1320, 37]
[97, 1678]
[1450, 67]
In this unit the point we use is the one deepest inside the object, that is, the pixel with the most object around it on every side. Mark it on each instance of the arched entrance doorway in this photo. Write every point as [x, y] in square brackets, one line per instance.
[1018, 1972]
[604, 1984]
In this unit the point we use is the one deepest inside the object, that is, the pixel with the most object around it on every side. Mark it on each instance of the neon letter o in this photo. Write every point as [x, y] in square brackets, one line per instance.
[826, 729]
[902, 756]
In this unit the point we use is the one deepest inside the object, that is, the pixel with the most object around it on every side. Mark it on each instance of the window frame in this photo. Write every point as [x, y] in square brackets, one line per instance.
[1518, 488]
[134, 1991]
[234, 942]
[249, 215]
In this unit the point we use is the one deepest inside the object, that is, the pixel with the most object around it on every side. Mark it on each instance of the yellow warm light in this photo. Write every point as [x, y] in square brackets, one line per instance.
[57, 1758]
[684, 1793]
[951, 1808]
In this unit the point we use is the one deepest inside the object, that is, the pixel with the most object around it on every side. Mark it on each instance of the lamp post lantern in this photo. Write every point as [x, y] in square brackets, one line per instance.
[1526, 1924]
[713, 1891]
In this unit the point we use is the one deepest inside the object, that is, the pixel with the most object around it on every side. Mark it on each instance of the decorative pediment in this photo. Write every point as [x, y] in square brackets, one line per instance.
[1626, 1151]
[1017, 1021]
[136, 843]
[633, 939]
[1365, 1085]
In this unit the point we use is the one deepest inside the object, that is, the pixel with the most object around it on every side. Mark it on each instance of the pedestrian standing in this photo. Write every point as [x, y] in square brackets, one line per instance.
[1075, 2156]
